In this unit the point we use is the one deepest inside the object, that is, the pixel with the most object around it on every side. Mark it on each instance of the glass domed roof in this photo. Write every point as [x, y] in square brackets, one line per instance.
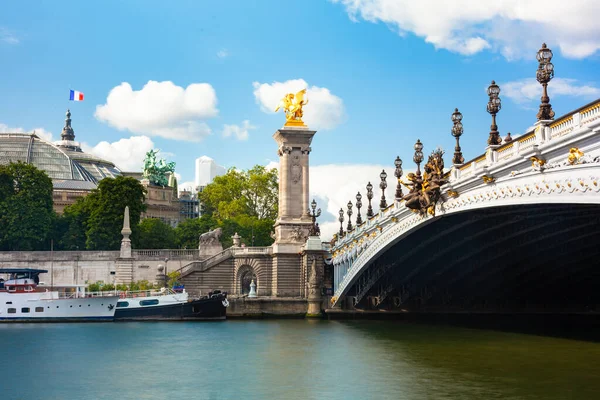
[64, 161]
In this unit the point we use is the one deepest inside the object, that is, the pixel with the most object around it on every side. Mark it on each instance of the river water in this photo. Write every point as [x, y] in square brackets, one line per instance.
[290, 359]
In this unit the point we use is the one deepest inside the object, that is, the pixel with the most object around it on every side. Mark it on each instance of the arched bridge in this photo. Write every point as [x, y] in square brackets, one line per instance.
[515, 228]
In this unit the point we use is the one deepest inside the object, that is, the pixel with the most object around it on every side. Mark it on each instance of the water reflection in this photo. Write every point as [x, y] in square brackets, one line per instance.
[293, 360]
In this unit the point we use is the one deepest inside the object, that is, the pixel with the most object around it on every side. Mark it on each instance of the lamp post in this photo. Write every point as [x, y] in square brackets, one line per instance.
[398, 175]
[349, 227]
[314, 214]
[358, 206]
[457, 131]
[341, 219]
[418, 157]
[493, 106]
[382, 186]
[544, 74]
[370, 197]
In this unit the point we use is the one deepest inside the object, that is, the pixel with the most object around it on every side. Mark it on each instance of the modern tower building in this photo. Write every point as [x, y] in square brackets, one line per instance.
[206, 170]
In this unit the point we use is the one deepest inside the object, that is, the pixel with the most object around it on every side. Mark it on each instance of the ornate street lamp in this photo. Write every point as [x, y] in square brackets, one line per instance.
[493, 106]
[544, 74]
[314, 214]
[358, 206]
[457, 131]
[398, 175]
[370, 197]
[341, 219]
[418, 157]
[382, 186]
[349, 227]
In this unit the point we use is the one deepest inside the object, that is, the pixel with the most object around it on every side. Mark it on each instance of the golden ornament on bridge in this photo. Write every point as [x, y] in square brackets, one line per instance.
[292, 106]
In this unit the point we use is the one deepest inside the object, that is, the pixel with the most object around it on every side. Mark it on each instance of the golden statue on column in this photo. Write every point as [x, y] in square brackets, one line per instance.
[292, 106]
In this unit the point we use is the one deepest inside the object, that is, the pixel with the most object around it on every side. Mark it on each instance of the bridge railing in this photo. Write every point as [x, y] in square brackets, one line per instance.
[502, 162]
[524, 144]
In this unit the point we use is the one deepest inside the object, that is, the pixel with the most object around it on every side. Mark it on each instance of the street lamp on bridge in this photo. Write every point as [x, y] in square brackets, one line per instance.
[382, 186]
[493, 106]
[370, 197]
[398, 175]
[545, 73]
[418, 157]
[341, 219]
[358, 206]
[349, 227]
[457, 131]
[314, 214]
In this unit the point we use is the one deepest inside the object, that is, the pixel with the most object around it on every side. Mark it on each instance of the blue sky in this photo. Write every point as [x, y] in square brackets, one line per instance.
[383, 72]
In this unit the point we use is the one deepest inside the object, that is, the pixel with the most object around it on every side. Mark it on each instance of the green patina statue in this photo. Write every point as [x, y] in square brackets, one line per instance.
[156, 172]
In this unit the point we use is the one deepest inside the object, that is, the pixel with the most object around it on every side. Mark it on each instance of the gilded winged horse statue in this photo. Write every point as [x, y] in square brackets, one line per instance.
[292, 106]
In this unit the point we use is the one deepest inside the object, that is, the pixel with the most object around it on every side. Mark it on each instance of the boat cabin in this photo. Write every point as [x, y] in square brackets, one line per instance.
[20, 280]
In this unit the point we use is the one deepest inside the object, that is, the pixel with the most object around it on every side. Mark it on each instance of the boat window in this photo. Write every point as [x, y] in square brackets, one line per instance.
[122, 304]
[9, 302]
[25, 309]
[39, 309]
[12, 310]
[11, 288]
[149, 302]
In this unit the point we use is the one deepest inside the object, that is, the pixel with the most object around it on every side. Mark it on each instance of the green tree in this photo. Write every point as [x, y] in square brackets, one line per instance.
[253, 193]
[189, 231]
[223, 198]
[99, 216]
[155, 234]
[26, 214]
[72, 226]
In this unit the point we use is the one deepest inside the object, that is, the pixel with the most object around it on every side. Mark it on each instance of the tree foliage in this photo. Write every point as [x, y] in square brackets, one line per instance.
[155, 234]
[252, 193]
[99, 216]
[188, 232]
[244, 202]
[26, 214]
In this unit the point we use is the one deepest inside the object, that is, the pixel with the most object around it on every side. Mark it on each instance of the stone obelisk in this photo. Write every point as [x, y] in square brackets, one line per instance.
[124, 273]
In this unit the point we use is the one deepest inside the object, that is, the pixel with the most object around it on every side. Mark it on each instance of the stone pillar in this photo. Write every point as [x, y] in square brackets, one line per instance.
[313, 261]
[293, 222]
[124, 264]
[305, 180]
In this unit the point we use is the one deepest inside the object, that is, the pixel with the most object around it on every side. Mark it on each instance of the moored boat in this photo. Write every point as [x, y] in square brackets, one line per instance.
[23, 299]
[166, 304]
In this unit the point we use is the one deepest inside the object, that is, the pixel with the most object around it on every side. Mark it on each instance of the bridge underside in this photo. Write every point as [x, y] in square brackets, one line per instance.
[518, 258]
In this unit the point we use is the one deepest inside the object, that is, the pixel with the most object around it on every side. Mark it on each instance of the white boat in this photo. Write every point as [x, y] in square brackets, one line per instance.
[22, 299]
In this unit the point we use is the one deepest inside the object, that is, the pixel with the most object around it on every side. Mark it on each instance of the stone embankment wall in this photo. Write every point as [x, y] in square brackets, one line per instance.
[79, 267]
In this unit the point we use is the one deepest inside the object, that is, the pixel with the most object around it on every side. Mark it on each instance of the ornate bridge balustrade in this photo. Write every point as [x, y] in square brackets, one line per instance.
[553, 163]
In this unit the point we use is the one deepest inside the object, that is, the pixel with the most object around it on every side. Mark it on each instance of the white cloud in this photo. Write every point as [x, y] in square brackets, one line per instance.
[40, 132]
[223, 53]
[8, 37]
[161, 109]
[240, 132]
[127, 154]
[527, 90]
[516, 28]
[324, 110]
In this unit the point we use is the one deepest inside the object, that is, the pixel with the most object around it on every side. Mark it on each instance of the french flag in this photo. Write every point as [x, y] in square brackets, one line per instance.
[75, 95]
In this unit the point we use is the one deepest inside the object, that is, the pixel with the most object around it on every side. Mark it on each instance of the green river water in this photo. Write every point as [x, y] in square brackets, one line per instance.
[290, 359]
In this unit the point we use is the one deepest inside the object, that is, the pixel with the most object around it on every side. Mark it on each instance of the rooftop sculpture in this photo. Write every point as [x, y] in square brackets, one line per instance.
[157, 171]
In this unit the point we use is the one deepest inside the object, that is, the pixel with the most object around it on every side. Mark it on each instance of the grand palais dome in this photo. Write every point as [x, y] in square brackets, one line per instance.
[64, 161]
